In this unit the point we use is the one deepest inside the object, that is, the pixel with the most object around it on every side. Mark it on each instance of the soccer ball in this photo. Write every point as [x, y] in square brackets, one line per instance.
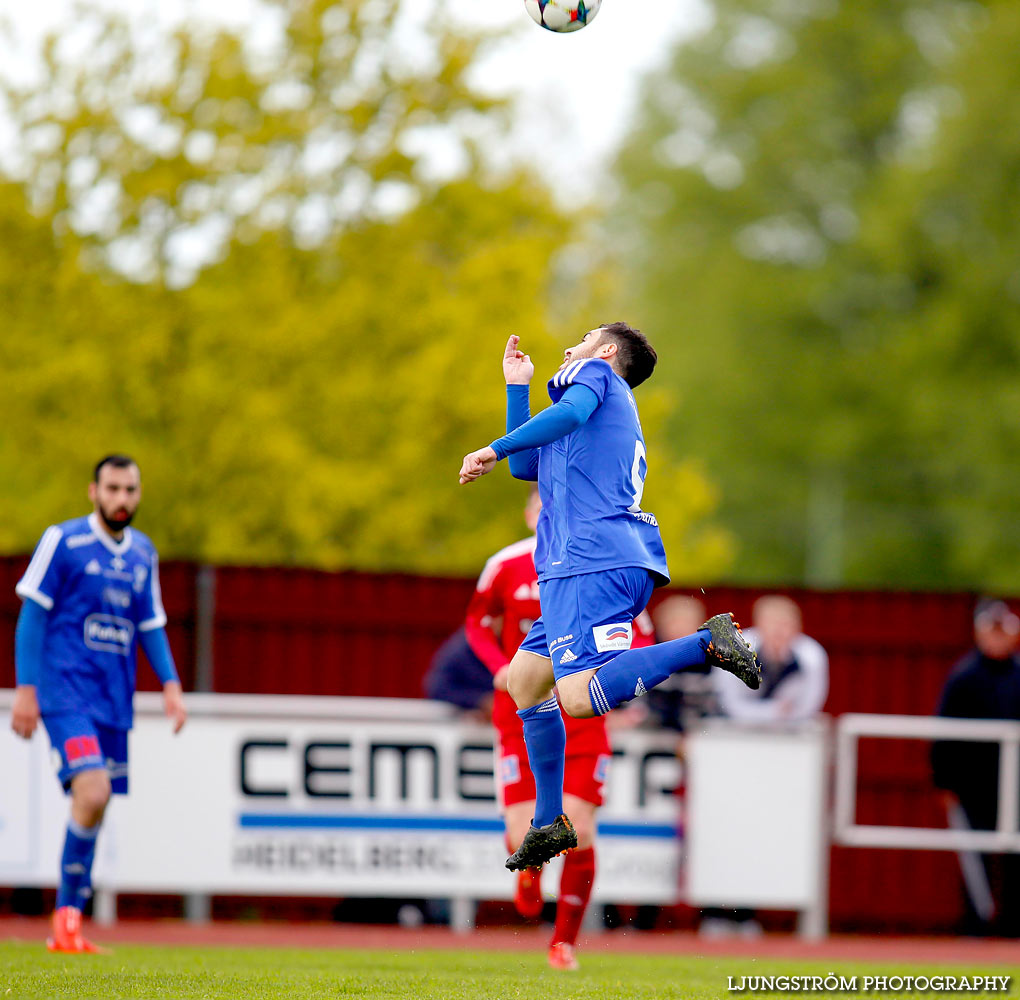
[563, 15]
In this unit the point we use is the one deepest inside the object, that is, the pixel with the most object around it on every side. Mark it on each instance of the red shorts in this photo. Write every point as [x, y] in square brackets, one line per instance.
[584, 774]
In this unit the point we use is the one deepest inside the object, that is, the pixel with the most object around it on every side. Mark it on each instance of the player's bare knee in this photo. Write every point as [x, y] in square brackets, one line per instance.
[529, 679]
[90, 794]
[519, 689]
[574, 697]
[526, 694]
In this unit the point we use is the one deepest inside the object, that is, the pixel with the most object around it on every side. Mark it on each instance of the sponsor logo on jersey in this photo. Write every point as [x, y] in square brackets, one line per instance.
[120, 598]
[109, 634]
[567, 657]
[562, 638]
[92, 567]
[77, 541]
[640, 689]
[616, 636]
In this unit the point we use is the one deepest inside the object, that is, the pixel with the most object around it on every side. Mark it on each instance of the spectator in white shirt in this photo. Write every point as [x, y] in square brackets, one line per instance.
[795, 669]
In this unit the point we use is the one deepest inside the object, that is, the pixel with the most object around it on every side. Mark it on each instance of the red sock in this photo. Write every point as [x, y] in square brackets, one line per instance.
[575, 891]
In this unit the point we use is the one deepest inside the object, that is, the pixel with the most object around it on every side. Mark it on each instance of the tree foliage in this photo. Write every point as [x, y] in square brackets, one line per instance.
[819, 213]
[305, 393]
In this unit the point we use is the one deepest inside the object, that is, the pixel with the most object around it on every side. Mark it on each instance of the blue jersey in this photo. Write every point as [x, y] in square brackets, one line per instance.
[591, 482]
[99, 594]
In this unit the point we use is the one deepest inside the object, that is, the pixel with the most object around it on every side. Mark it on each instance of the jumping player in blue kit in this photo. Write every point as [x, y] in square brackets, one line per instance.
[90, 595]
[599, 556]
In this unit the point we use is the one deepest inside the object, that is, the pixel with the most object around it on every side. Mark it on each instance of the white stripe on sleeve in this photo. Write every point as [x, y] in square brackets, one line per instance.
[158, 619]
[28, 585]
[572, 371]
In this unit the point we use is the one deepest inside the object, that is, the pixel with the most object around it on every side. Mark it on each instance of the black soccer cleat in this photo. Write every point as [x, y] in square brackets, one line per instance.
[542, 844]
[731, 651]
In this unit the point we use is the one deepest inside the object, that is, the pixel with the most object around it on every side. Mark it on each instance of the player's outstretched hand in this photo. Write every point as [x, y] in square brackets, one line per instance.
[173, 705]
[517, 366]
[477, 464]
[25, 711]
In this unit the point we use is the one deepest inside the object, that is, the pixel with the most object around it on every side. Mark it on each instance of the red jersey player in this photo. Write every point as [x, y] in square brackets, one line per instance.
[504, 605]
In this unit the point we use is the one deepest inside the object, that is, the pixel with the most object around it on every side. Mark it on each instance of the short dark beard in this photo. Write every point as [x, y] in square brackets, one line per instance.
[116, 525]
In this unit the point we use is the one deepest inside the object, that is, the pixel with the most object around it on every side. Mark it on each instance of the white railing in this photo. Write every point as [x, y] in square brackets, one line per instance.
[850, 728]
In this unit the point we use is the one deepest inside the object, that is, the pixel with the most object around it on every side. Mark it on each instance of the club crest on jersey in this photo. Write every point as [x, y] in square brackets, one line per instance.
[617, 636]
[119, 598]
[141, 572]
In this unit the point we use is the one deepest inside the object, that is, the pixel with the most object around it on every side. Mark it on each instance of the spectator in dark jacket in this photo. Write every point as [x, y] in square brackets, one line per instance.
[985, 684]
[458, 677]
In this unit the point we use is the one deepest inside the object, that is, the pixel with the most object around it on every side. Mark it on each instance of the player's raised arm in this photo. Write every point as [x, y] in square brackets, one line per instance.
[518, 370]
[517, 366]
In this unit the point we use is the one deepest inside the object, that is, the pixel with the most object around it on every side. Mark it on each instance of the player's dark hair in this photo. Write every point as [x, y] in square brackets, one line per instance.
[116, 460]
[636, 356]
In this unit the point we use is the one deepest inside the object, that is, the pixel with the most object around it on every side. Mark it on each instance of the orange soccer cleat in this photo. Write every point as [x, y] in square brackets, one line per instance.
[528, 897]
[67, 936]
[561, 956]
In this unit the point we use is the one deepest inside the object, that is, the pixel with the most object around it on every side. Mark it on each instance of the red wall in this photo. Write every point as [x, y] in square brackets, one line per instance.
[299, 631]
[295, 631]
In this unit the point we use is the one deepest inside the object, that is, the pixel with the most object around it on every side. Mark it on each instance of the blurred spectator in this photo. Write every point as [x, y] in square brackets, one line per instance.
[985, 684]
[679, 701]
[456, 675]
[795, 668]
[795, 683]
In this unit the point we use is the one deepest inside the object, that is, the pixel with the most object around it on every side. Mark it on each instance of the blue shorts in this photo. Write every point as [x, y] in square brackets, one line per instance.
[82, 744]
[588, 620]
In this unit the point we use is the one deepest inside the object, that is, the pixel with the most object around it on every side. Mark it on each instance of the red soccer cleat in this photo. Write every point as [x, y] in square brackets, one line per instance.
[528, 898]
[561, 956]
[67, 936]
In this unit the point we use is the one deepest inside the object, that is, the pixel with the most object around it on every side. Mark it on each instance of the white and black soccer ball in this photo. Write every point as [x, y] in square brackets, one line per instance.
[563, 15]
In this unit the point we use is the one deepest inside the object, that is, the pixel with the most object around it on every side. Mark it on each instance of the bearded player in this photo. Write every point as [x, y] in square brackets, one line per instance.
[599, 556]
[90, 594]
[501, 612]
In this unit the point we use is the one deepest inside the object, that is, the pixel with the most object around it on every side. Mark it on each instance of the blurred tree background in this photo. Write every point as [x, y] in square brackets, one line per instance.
[282, 274]
[282, 277]
[819, 220]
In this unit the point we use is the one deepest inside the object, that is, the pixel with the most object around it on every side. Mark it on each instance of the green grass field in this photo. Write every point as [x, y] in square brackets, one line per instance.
[27, 970]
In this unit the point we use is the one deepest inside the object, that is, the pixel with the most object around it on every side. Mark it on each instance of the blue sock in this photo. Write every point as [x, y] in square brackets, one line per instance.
[546, 740]
[76, 865]
[632, 673]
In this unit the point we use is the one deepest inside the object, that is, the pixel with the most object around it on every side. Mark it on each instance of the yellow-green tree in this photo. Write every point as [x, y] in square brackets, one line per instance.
[819, 211]
[305, 393]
